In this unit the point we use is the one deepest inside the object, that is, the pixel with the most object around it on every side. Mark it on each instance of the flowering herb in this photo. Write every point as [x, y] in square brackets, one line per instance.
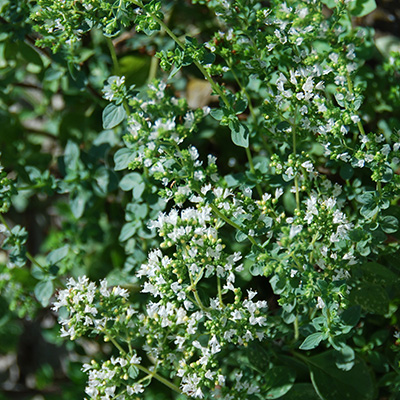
[258, 256]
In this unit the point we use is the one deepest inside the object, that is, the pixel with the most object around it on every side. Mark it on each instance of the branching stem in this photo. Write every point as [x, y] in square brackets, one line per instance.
[152, 374]
[230, 222]
[351, 91]
[114, 57]
[296, 179]
[117, 68]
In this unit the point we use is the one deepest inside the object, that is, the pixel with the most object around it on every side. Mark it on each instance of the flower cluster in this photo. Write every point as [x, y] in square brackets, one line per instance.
[159, 124]
[176, 318]
[66, 22]
[92, 309]
[115, 89]
[182, 315]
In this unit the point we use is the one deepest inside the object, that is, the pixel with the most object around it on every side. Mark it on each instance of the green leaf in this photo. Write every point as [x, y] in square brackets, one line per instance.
[346, 172]
[57, 255]
[174, 70]
[258, 356]
[330, 3]
[372, 298]
[128, 230]
[367, 198]
[389, 224]
[369, 210]
[278, 284]
[78, 203]
[29, 54]
[106, 181]
[345, 358]
[4, 4]
[376, 273]
[387, 174]
[209, 197]
[360, 8]
[135, 211]
[386, 44]
[370, 207]
[311, 341]
[217, 113]
[239, 133]
[240, 236]
[135, 68]
[356, 235]
[208, 58]
[331, 383]
[71, 156]
[279, 380]
[257, 269]
[113, 115]
[39, 273]
[129, 181]
[240, 106]
[122, 158]
[34, 173]
[233, 180]
[133, 372]
[351, 316]
[53, 74]
[282, 126]
[43, 292]
[302, 391]
[138, 190]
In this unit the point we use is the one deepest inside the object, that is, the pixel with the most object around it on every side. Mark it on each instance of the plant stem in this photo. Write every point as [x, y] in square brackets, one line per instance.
[248, 153]
[253, 115]
[243, 89]
[379, 187]
[351, 91]
[146, 370]
[296, 179]
[117, 68]
[113, 54]
[253, 171]
[3, 221]
[314, 239]
[161, 379]
[230, 222]
[34, 261]
[296, 328]
[153, 69]
[196, 295]
[221, 303]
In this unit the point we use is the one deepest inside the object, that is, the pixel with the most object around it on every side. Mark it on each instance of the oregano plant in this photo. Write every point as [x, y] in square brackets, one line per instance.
[204, 195]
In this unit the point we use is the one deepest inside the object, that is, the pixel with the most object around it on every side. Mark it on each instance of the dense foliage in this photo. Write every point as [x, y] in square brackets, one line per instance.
[204, 195]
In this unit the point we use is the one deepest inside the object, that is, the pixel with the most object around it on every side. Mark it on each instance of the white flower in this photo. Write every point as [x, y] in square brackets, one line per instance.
[135, 359]
[308, 166]
[294, 230]
[278, 192]
[320, 303]
[308, 86]
[135, 389]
